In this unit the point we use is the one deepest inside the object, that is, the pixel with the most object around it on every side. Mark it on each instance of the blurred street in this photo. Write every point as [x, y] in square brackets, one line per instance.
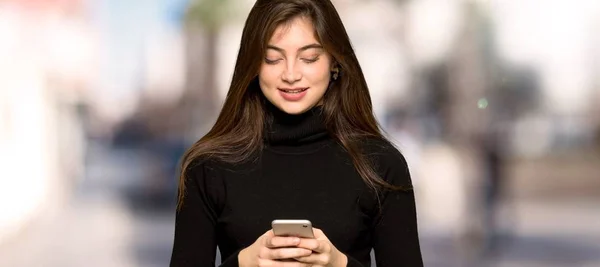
[98, 226]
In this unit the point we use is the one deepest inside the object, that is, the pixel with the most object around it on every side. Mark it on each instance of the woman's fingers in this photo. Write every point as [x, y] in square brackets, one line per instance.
[283, 253]
[275, 263]
[318, 233]
[315, 259]
[280, 241]
[316, 245]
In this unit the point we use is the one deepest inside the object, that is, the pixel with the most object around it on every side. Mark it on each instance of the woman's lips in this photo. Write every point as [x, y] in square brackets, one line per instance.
[293, 94]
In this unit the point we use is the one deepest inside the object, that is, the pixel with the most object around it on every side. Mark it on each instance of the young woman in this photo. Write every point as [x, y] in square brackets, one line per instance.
[296, 139]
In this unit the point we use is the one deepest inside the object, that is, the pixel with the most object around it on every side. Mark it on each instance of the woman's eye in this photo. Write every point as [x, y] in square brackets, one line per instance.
[310, 60]
[272, 61]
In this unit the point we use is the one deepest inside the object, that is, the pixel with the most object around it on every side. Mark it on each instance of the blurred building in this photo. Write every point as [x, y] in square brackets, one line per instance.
[48, 53]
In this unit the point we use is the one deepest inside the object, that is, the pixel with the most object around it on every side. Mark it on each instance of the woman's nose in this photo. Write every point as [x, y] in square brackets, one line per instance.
[291, 74]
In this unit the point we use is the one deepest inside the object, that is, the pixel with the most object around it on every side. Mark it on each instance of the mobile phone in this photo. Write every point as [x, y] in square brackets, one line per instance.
[297, 228]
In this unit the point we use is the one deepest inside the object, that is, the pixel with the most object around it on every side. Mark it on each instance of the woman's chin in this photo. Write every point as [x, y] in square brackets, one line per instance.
[294, 108]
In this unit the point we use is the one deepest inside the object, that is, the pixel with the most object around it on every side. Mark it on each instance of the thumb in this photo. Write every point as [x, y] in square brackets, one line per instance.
[319, 233]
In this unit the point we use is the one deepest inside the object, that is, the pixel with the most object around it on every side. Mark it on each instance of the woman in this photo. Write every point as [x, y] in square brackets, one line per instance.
[296, 139]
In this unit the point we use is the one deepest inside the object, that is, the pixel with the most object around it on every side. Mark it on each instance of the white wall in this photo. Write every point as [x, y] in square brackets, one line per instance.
[28, 154]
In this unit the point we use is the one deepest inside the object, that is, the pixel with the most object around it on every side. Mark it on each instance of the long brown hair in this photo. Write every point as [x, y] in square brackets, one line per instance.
[237, 135]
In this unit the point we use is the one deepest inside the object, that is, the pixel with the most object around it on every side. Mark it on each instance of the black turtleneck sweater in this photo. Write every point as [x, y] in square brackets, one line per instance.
[302, 173]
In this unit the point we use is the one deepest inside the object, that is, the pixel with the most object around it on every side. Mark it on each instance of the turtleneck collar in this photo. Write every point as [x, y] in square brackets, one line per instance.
[283, 129]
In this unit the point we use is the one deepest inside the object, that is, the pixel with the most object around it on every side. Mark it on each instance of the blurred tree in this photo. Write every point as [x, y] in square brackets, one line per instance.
[203, 22]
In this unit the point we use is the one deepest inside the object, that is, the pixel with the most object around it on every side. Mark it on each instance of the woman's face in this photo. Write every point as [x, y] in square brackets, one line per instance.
[295, 72]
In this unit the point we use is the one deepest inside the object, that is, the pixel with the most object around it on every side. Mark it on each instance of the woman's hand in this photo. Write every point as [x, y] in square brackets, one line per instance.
[324, 252]
[274, 251]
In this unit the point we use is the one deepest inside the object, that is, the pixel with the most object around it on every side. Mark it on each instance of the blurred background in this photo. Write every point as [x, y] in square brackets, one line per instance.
[493, 102]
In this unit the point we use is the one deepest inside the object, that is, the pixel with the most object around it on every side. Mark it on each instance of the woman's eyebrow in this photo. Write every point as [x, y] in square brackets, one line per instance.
[306, 47]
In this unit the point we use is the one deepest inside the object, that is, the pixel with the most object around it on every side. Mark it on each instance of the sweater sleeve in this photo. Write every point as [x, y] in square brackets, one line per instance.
[396, 238]
[195, 240]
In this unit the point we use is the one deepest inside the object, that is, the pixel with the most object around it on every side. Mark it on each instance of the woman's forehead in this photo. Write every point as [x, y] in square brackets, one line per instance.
[295, 34]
